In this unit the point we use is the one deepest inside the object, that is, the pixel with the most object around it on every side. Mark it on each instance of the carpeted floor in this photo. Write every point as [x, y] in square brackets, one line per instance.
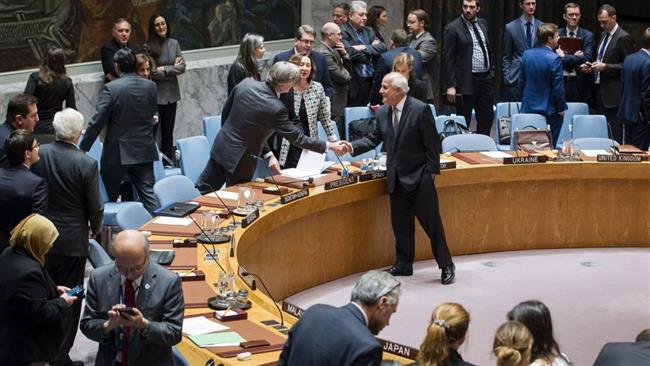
[595, 296]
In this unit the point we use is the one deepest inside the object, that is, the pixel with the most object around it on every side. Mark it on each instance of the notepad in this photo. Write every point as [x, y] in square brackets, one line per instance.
[164, 220]
[496, 154]
[201, 325]
[594, 153]
[225, 195]
[221, 339]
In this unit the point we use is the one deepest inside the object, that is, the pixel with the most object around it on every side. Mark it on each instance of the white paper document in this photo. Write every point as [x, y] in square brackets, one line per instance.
[201, 325]
[225, 195]
[594, 153]
[309, 165]
[164, 220]
[496, 154]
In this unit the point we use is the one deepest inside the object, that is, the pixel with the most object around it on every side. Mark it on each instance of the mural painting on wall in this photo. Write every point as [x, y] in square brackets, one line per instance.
[28, 28]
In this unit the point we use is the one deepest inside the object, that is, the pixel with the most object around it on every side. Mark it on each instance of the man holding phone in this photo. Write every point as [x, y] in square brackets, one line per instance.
[134, 309]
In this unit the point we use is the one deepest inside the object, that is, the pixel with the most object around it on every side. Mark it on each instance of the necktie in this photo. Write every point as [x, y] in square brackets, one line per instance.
[601, 54]
[366, 69]
[395, 119]
[129, 300]
[480, 43]
[529, 34]
[572, 34]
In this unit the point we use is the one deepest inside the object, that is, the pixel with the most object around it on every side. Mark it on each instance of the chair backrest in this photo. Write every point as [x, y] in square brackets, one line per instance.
[177, 188]
[131, 217]
[440, 121]
[347, 157]
[95, 152]
[501, 110]
[433, 110]
[97, 255]
[521, 121]
[594, 143]
[195, 153]
[158, 167]
[572, 110]
[211, 127]
[591, 125]
[179, 359]
[353, 114]
[468, 142]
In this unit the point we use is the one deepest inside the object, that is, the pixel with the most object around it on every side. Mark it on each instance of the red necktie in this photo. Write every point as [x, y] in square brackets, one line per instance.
[129, 300]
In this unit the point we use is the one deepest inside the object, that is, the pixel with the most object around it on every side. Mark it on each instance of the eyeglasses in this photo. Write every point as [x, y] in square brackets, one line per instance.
[129, 270]
[307, 41]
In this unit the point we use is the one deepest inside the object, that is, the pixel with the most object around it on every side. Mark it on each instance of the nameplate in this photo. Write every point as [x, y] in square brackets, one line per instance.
[250, 218]
[603, 158]
[446, 165]
[292, 309]
[377, 174]
[340, 183]
[398, 349]
[520, 160]
[294, 196]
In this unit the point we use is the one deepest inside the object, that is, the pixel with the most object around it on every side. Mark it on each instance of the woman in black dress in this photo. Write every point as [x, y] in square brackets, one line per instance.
[251, 49]
[377, 19]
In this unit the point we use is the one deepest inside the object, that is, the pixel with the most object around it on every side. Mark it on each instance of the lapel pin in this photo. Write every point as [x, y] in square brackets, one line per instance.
[147, 286]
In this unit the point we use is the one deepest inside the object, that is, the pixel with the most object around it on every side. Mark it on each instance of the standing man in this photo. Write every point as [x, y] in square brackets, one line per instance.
[146, 334]
[121, 33]
[340, 13]
[311, 342]
[126, 107]
[520, 35]
[74, 201]
[468, 66]
[337, 63]
[406, 127]
[635, 101]
[615, 45]
[576, 84]
[22, 113]
[363, 47]
[305, 41]
[251, 114]
[422, 41]
[541, 79]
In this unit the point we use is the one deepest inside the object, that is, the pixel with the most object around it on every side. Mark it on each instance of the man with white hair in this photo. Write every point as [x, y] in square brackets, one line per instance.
[405, 126]
[326, 335]
[74, 201]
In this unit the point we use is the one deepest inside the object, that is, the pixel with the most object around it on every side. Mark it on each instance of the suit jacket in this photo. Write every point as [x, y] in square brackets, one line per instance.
[514, 45]
[635, 81]
[21, 194]
[359, 58]
[250, 116]
[417, 89]
[624, 354]
[159, 298]
[322, 74]
[427, 46]
[542, 82]
[412, 151]
[107, 52]
[384, 65]
[339, 75]
[454, 359]
[167, 80]
[573, 62]
[236, 74]
[620, 46]
[311, 342]
[457, 52]
[126, 107]
[5, 130]
[73, 188]
[30, 310]
[50, 100]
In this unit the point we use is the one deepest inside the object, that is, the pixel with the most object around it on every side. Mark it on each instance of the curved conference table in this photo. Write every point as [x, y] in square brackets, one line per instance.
[487, 208]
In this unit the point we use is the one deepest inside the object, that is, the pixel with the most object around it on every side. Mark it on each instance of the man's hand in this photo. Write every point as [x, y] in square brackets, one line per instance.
[376, 42]
[375, 108]
[135, 321]
[160, 68]
[114, 319]
[63, 293]
[579, 53]
[451, 95]
[359, 47]
[340, 48]
[110, 77]
[178, 61]
[598, 66]
[586, 68]
[560, 52]
[339, 147]
[274, 165]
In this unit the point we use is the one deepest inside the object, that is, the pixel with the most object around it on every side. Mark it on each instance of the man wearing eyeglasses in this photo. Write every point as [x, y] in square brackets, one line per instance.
[145, 333]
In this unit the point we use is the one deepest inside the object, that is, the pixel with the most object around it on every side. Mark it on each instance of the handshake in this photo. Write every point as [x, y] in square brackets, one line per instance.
[340, 147]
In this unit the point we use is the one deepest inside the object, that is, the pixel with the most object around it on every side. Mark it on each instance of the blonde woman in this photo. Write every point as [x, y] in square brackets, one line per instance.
[512, 344]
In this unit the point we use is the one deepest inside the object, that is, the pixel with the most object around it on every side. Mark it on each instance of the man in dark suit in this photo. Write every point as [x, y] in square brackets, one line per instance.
[615, 45]
[520, 35]
[577, 85]
[251, 114]
[22, 113]
[363, 47]
[126, 107]
[337, 63]
[74, 201]
[305, 41]
[405, 126]
[541, 79]
[121, 33]
[398, 44]
[626, 353]
[468, 66]
[311, 342]
[21, 191]
[635, 101]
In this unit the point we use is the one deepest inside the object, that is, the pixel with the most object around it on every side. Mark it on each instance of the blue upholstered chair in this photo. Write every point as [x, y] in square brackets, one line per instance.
[353, 114]
[594, 143]
[132, 217]
[195, 153]
[467, 143]
[97, 255]
[440, 121]
[521, 121]
[211, 127]
[572, 110]
[592, 125]
[176, 188]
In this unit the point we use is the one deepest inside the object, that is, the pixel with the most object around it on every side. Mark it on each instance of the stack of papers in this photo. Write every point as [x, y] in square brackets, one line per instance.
[594, 153]
[310, 164]
[201, 325]
[164, 220]
[221, 339]
[496, 154]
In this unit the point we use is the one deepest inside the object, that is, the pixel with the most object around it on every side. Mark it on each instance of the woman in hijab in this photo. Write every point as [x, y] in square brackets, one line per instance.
[31, 305]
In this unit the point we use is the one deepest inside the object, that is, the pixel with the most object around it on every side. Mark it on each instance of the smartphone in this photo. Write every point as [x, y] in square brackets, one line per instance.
[127, 310]
[76, 291]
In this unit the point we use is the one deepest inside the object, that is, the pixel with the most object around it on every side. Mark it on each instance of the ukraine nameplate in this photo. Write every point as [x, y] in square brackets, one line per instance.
[530, 159]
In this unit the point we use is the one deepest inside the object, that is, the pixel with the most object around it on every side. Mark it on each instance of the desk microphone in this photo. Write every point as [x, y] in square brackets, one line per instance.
[246, 273]
[347, 173]
[309, 180]
[611, 137]
[232, 216]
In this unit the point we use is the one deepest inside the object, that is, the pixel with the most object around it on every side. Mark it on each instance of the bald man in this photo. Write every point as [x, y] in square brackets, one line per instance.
[155, 296]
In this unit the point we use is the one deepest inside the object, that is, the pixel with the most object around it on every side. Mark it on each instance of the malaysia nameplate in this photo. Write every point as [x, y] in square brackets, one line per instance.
[340, 183]
[294, 196]
[521, 160]
[250, 218]
[604, 158]
[373, 175]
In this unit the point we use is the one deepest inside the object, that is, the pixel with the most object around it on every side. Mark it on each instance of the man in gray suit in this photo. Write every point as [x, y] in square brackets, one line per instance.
[126, 107]
[73, 183]
[145, 335]
[422, 41]
[251, 114]
[520, 35]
